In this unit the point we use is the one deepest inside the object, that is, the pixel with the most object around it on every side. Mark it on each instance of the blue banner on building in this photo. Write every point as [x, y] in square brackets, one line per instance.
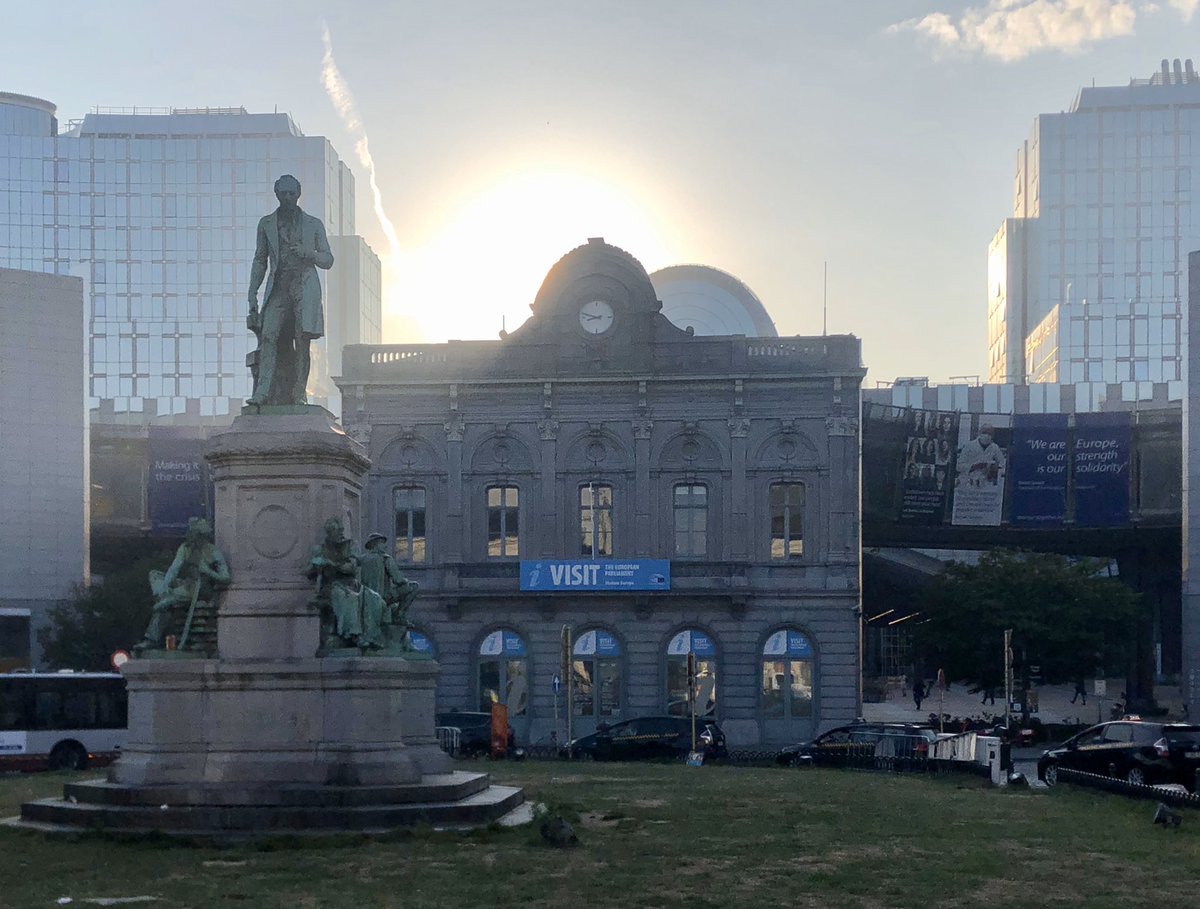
[596, 574]
[1100, 461]
[1038, 469]
[177, 480]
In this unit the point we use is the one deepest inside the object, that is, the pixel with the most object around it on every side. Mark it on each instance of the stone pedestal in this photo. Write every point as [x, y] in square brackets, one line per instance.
[268, 710]
[278, 478]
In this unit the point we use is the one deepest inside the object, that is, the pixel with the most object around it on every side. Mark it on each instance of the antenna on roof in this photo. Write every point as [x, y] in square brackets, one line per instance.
[825, 300]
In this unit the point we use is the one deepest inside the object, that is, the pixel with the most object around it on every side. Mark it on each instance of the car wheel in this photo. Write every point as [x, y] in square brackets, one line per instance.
[1050, 775]
[1137, 776]
[68, 756]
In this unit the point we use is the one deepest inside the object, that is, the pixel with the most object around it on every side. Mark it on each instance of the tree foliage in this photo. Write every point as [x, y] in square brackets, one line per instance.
[1066, 617]
[109, 615]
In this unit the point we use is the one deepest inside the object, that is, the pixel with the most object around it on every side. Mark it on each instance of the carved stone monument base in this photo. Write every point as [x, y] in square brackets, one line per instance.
[351, 722]
[269, 735]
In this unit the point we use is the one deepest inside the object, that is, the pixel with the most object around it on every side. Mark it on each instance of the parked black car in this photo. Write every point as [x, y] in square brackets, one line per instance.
[1129, 749]
[901, 745]
[475, 731]
[649, 737]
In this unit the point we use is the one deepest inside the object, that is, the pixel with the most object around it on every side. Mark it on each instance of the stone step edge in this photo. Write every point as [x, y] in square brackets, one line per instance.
[433, 788]
[476, 810]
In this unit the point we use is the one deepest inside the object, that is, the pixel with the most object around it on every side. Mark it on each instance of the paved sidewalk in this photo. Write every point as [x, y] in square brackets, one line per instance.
[1054, 704]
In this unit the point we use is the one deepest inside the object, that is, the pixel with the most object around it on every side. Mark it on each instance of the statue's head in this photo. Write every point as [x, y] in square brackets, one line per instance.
[198, 530]
[334, 532]
[287, 191]
[375, 541]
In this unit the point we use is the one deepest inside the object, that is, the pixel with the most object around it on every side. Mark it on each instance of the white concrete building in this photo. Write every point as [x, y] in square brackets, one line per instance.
[43, 454]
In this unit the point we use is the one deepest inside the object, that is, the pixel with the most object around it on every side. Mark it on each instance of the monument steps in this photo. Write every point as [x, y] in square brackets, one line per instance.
[221, 821]
[441, 787]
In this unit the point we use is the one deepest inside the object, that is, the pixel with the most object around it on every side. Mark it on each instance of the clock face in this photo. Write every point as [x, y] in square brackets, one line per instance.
[596, 317]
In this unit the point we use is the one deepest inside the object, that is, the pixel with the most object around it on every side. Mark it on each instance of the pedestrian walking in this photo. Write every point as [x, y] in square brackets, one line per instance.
[1080, 692]
[918, 692]
[989, 695]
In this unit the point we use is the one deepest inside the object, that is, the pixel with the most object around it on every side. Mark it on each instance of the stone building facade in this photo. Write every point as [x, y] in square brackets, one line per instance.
[599, 430]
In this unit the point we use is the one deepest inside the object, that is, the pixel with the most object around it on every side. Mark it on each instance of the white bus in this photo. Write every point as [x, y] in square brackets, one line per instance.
[61, 720]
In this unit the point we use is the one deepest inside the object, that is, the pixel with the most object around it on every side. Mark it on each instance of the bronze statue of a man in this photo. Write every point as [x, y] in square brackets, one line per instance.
[381, 573]
[198, 572]
[294, 245]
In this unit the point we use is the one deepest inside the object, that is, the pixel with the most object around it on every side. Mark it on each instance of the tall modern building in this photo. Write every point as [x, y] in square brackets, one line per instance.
[157, 210]
[1087, 280]
[44, 540]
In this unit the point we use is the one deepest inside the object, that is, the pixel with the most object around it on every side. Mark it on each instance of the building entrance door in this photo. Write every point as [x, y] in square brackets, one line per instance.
[597, 695]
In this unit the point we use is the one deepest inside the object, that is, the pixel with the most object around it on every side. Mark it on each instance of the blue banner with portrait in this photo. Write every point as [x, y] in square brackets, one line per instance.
[1038, 469]
[1100, 460]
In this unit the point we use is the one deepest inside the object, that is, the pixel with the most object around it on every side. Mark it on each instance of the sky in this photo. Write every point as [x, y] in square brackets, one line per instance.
[761, 138]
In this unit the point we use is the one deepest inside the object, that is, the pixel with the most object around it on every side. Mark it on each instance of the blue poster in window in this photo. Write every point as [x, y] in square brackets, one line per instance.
[504, 643]
[788, 643]
[1100, 460]
[419, 642]
[596, 574]
[1038, 469]
[691, 641]
[597, 643]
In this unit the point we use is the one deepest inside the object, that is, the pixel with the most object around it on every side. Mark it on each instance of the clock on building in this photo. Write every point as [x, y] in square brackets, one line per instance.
[596, 317]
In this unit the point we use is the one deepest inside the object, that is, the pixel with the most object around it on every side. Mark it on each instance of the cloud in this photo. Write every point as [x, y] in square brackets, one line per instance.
[343, 102]
[1013, 29]
[1187, 8]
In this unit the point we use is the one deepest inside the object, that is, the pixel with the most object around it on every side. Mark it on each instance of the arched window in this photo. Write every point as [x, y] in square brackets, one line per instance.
[503, 672]
[700, 645]
[596, 664]
[787, 675]
[596, 520]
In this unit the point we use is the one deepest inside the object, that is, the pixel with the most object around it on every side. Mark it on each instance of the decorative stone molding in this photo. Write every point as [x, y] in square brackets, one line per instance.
[547, 429]
[642, 428]
[739, 427]
[455, 429]
[359, 432]
[841, 426]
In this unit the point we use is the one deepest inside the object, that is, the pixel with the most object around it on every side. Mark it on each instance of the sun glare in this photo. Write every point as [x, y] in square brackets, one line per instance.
[479, 269]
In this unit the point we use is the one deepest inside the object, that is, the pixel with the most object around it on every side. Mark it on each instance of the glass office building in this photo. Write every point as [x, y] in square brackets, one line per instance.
[1087, 280]
[157, 210]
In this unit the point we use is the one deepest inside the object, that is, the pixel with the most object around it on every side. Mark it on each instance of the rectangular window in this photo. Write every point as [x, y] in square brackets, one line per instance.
[408, 505]
[787, 524]
[691, 520]
[503, 515]
[595, 520]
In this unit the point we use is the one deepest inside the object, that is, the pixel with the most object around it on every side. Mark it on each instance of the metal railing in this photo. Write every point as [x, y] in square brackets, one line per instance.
[449, 737]
[1119, 786]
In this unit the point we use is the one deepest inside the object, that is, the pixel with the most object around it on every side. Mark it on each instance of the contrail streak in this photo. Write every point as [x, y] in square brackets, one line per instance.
[343, 102]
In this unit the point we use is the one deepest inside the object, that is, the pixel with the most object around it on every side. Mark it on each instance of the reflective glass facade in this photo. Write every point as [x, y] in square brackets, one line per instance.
[1103, 217]
[157, 211]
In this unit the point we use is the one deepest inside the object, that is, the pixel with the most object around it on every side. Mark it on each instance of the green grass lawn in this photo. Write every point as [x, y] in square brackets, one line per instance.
[666, 835]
